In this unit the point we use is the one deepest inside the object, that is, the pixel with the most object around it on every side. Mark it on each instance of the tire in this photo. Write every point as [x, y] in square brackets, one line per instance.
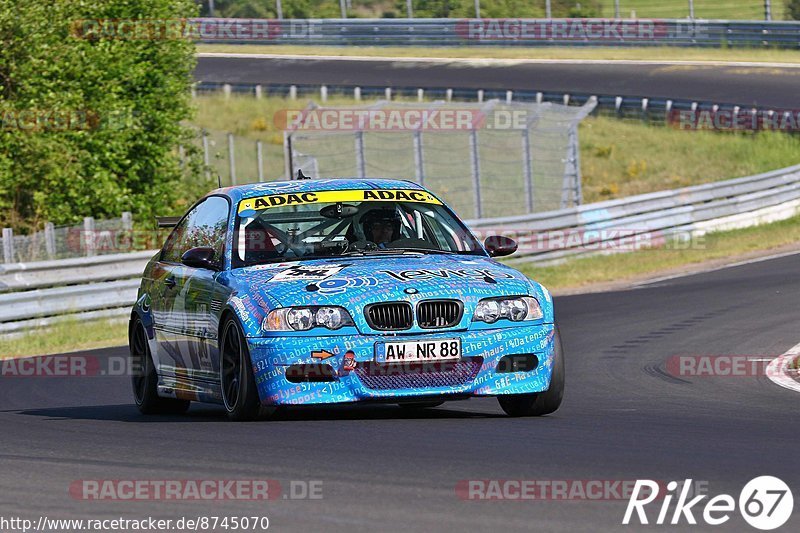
[540, 403]
[413, 406]
[239, 391]
[144, 378]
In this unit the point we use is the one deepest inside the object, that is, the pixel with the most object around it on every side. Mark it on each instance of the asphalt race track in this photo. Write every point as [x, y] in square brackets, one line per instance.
[624, 417]
[763, 86]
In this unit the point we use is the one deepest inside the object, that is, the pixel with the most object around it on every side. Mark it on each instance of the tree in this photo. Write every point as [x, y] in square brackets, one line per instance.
[90, 126]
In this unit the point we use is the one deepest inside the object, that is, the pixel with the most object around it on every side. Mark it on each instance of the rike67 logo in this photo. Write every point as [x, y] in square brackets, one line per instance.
[765, 503]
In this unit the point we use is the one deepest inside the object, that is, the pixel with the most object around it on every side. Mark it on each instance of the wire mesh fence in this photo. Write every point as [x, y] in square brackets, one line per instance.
[708, 9]
[488, 159]
[92, 237]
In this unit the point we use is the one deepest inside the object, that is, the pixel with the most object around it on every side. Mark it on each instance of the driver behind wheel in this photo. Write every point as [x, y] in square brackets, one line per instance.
[381, 226]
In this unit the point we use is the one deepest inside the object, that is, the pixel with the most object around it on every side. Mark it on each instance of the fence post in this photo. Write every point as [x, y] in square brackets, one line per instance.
[279, 9]
[548, 11]
[527, 162]
[88, 236]
[419, 159]
[226, 90]
[409, 10]
[8, 245]
[357, 94]
[293, 92]
[477, 9]
[361, 164]
[50, 239]
[206, 160]
[260, 160]
[231, 159]
[767, 10]
[259, 92]
[476, 171]
[616, 9]
[691, 9]
[571, 185]
[288, 164]
[323, 93]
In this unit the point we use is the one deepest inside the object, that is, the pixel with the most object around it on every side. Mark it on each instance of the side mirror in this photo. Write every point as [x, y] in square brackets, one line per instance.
[498, 246]
[201, 257]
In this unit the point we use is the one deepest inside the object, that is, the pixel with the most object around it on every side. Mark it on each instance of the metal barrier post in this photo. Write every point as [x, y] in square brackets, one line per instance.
[206, 159]
[419, 158]
[50, 239]
[8, 245]
[476, 171]
[231, 159]
[88, 236]
[361, 164]
[527, 167]
[260, 160]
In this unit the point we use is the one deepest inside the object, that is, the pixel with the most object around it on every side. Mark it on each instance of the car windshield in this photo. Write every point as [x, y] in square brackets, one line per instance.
[285, 227]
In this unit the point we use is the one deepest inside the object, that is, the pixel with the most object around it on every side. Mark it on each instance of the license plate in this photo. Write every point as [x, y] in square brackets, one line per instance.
[418, 351]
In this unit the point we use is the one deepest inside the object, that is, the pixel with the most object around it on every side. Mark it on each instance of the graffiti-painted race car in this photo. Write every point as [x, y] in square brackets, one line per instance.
[338, 290]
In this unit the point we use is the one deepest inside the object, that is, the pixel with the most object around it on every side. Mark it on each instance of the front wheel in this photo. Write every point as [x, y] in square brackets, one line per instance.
[540, 403]
[145, 379]
[239, 391]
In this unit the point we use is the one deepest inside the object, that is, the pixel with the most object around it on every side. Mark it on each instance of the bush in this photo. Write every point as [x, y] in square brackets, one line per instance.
[125, 99]
[793, 9]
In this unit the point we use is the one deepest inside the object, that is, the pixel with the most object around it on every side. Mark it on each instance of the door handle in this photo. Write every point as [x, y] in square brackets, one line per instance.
[170, 282]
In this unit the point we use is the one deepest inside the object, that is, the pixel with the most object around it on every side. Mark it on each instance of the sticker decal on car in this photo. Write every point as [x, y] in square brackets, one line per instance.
[379, 195]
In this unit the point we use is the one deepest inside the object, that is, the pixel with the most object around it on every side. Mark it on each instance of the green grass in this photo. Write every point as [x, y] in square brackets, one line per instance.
[759, 55]
[723, 245]
[622, 158]
[618, 157]
[65, 337]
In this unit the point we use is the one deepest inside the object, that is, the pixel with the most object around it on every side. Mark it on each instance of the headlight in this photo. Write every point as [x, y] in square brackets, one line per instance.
[305, 318]
[515, 309]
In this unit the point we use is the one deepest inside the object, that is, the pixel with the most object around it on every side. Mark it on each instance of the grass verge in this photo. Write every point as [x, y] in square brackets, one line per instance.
[68, 336]
[728, 246]
[660, 53]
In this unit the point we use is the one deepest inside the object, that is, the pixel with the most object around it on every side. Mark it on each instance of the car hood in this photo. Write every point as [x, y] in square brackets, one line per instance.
[354, 282]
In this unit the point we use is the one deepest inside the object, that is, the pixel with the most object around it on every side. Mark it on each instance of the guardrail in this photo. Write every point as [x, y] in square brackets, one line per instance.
[651, 109]
[649, 219]
[499, 32]
[39, 294]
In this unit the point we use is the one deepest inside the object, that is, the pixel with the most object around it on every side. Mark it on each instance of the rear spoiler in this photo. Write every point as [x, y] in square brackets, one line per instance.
[167, 222]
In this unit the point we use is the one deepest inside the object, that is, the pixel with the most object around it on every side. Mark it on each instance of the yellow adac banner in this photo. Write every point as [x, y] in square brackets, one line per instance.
[356, 195]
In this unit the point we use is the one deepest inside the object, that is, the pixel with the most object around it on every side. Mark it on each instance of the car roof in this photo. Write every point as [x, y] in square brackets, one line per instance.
[240, 192]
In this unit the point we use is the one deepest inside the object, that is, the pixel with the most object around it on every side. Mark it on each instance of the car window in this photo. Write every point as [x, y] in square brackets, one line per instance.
[204, 225]
[330, 229]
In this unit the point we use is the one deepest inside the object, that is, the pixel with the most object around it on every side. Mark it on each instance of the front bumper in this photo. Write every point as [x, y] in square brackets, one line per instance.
[477, 374]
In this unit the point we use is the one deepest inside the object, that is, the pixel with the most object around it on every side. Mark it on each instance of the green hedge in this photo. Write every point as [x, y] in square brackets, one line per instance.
[90, 127]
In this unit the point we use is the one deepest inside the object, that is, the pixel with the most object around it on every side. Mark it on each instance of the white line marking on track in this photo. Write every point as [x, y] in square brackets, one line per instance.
[777, 370]
[486, 61]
